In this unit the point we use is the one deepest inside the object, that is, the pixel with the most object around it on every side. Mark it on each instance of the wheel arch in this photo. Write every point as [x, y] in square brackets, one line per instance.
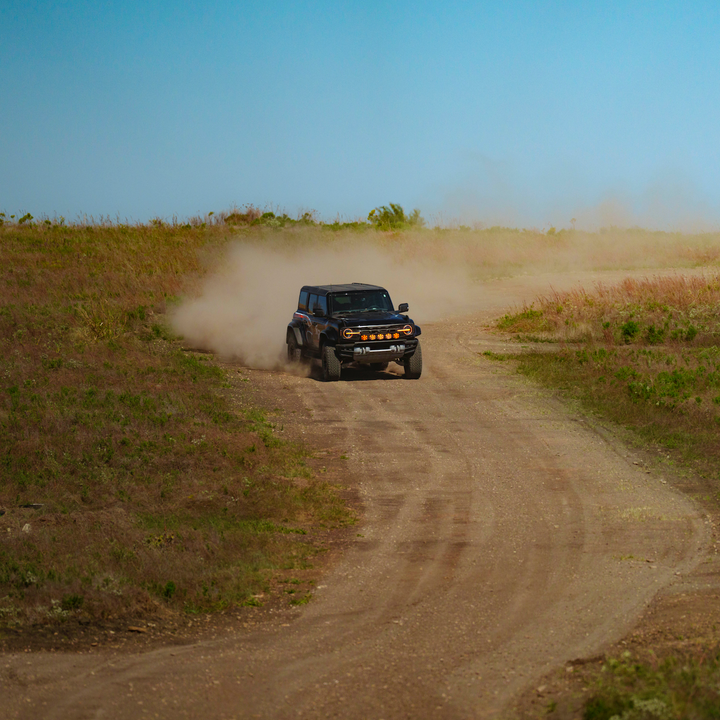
[325, 339]
[294, 330]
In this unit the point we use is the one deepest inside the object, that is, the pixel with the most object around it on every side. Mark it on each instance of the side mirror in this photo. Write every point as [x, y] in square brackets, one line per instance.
[404, 307]
[318, 312]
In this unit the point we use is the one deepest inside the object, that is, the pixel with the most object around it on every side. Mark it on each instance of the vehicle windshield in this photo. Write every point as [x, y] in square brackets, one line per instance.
[361, 301]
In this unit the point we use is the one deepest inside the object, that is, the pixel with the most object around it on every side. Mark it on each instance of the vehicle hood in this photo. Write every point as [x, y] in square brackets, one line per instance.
[373, 318]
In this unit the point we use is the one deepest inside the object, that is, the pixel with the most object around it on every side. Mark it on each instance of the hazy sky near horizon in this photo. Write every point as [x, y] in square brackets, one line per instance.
[505, 112]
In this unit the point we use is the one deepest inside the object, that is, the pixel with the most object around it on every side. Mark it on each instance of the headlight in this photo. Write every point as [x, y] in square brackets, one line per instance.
[349, 333]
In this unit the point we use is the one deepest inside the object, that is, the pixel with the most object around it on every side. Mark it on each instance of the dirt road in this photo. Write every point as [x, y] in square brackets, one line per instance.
[502, 537]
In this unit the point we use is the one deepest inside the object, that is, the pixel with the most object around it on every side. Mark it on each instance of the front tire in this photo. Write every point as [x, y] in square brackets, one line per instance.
[330, 364]
[413, 364]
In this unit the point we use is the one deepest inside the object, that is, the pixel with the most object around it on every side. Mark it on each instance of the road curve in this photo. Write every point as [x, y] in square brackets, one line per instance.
[502, 536]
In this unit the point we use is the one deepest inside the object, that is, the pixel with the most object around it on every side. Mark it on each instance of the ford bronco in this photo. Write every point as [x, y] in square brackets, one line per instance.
[353, 323]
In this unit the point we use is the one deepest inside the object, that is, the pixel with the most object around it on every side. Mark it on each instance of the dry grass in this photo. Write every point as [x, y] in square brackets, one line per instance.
[644, 354]
[680, 309]
[128, 481]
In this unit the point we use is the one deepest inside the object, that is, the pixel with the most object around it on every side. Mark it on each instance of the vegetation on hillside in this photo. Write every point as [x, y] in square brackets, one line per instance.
[643, 353]
[133, 477]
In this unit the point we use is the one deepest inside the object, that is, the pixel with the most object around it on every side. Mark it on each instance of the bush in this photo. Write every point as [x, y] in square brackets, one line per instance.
[629, 330]
[394, 218]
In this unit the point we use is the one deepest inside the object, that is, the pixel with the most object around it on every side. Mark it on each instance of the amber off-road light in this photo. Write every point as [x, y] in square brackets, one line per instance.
[394, 334]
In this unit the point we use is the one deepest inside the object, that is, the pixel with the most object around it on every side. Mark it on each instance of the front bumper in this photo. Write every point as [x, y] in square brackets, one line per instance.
[379, 352]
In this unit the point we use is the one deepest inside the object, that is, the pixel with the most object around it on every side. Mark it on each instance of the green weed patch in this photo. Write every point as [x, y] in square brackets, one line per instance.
[659, 689]
[670, 399]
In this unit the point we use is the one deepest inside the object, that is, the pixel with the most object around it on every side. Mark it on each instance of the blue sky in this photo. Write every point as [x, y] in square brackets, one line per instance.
[523, 113]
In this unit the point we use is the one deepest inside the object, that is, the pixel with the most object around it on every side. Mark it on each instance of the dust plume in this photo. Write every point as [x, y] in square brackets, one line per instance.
[244, 306]
[246, 301]
[489, 191]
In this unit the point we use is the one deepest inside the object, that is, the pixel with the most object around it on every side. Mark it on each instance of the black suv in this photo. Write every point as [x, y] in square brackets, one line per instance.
[355, 323]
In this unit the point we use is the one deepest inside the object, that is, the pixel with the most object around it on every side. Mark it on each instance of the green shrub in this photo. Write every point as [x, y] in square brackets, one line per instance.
[629, 330]
[393, 217]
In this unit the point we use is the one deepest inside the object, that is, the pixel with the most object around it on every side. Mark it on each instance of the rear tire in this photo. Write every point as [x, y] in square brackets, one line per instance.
[330, 364]
[413, 365]
[293, 351]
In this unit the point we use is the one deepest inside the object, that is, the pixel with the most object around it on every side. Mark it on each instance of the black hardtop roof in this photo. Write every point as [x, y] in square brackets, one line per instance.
[348, 287]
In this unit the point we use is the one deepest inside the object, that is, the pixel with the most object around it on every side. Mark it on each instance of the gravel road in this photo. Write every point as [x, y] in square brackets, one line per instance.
[502, 536]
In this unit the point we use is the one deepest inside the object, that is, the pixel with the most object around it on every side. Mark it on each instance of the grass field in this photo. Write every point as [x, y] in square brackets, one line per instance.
[131, 481]
[643, 353]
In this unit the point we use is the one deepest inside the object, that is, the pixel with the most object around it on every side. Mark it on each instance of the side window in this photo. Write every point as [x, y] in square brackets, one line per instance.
[302, 303]
[322, 302]
[312, 303]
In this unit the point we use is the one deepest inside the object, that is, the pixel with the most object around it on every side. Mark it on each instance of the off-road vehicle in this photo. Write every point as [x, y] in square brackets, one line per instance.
[354, 323]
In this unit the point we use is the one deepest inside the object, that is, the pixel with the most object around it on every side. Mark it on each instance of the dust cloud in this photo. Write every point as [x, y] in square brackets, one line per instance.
[244, 306]
[489, 191]
[246, 300]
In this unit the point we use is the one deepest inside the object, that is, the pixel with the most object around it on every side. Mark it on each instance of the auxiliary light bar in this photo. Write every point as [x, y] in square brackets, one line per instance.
[365, 334]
